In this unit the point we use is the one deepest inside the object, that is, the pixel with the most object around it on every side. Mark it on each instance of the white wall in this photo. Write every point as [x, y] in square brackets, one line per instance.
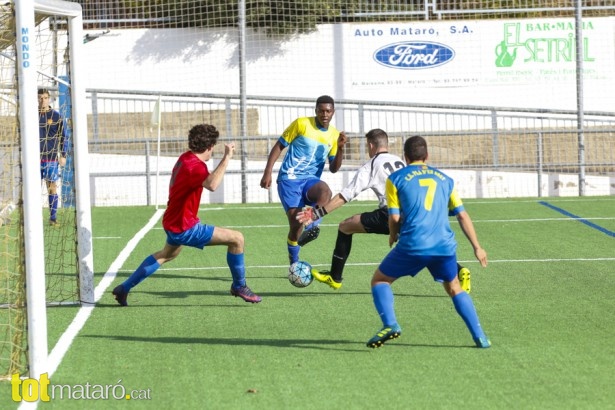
[339, 60]
[131, 191]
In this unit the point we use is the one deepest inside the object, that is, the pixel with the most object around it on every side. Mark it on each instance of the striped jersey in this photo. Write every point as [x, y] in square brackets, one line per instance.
[373, 174]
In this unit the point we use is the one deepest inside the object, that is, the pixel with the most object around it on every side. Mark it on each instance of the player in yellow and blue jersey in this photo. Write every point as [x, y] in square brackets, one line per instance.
[311, 141]
[420, 199]
[371, 175]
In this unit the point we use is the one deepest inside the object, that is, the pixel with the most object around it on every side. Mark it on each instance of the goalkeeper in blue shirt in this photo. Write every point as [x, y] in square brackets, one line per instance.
[53, 146]
[419, 199]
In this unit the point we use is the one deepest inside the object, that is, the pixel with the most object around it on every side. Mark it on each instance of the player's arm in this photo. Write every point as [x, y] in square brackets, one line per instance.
[455, 207]
[394, 223]
[335, 165]
[213, 180]
[360, 182]
[394, 214]
[274, 154]
[336, 202]
[468, 230]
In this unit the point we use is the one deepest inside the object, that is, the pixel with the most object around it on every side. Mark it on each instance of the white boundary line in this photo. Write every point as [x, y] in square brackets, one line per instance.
[60, 349]
[67, 337]
[378, 263]
[468, 202]
[479, 221]
[65, 341]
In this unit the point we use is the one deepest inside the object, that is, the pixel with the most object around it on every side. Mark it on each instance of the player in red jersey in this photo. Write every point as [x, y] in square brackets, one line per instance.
[181, 222]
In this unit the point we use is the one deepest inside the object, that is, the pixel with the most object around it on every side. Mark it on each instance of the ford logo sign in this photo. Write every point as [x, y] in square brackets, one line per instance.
[413, 55]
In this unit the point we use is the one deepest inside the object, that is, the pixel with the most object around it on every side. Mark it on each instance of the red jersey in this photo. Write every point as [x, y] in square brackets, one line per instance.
[185, 191]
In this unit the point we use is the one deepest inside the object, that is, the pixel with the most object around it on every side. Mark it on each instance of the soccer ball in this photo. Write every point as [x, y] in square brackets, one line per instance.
[300, 274]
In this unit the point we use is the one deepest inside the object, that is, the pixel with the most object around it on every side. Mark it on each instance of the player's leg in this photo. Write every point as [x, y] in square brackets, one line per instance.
[382, 294]
[309, 233]
[395, 265]
[294, 233]
[291, 197]
[235, 259]
[463, 274]
[51, 176]
[52, 192]
[315, 193]
[145, 269]
[343, 244]
[376, 221]
[445, 270]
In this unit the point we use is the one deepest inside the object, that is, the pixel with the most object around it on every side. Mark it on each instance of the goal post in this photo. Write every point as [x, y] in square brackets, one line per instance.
[43, 263]
[72, 11]
[32, 219]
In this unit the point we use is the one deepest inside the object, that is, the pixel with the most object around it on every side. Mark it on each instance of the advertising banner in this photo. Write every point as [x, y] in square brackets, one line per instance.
[531, 55]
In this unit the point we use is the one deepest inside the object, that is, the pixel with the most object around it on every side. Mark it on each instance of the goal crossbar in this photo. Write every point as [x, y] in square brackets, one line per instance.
[57, 8]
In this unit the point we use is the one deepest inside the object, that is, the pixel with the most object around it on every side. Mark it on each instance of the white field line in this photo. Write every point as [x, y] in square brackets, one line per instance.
[278, 207]
[564, 219]
[60, 349]
[378, 263]
[63, 344]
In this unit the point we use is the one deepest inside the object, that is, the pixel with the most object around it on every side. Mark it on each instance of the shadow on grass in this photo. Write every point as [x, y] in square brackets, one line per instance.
[217, 293]
[161, 275]
[317, 344]
[320, 344]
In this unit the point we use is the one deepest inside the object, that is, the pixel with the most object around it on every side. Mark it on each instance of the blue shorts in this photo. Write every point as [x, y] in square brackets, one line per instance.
[293, 192]
[197, 237]
[50, 171]
[397, 264]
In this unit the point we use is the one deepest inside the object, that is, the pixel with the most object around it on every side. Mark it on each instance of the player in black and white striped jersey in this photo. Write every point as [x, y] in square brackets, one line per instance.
[371, 175]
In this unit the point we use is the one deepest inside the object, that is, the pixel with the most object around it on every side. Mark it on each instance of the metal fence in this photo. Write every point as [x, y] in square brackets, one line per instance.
[460, 137]
[577, 143]
[103, 14]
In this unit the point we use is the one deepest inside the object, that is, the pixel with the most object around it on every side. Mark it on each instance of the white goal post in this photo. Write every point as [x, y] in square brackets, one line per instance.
[26, 13]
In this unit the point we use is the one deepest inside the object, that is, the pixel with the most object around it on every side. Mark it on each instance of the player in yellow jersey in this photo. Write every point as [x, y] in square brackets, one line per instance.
[311, 142]
[420, 199]
[371, 175]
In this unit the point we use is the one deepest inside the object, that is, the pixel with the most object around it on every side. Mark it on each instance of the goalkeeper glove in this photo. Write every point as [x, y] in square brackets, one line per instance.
[309, 214]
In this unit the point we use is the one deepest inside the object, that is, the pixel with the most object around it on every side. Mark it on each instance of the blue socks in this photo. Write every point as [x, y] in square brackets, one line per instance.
[151, 265]
[293, 251]
[53, 206]
[383, 300]
[465, 307]
[147, 267]
[238, 269]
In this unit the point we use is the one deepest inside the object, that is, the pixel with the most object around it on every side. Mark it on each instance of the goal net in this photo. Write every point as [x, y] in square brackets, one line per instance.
[494, 87]
[45, 229]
